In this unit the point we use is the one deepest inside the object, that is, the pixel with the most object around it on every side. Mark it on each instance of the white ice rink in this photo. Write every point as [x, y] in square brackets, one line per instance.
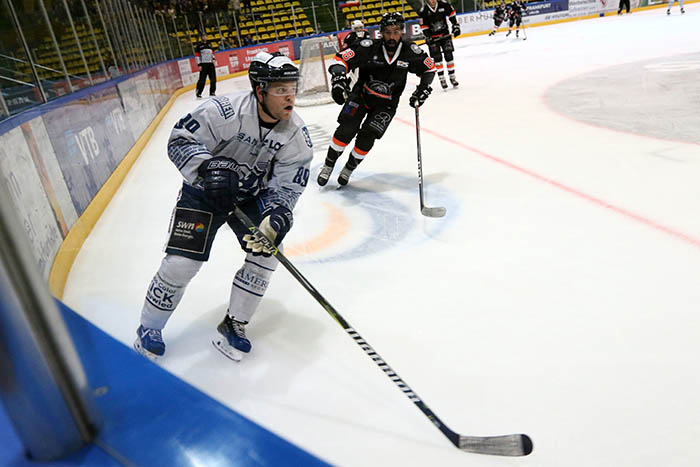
[559, 297]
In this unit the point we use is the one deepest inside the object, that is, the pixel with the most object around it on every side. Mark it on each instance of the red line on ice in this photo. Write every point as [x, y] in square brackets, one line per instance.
[602, 203]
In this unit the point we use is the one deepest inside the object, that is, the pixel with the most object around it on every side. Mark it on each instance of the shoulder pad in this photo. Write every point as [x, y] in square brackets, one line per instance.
[366, 42]
[416, 49]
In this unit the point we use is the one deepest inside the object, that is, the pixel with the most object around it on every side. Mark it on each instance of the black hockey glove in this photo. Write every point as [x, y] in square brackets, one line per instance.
[455, 30]
[220, 182]
[275, 226]
[419, 96]
[341, 87]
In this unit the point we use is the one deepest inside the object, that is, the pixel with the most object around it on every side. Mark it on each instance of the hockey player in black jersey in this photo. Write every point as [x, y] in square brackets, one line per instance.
[206, 60]
[499, 14]
[358, 33]
[433, 19]
[371, 104]
[515, 16]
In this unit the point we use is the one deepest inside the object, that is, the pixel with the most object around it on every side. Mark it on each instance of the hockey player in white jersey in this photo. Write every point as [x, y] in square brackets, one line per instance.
[248, 149]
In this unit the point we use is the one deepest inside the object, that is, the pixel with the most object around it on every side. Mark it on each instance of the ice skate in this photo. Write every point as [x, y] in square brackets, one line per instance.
[212, 94]
[344, 176]
[682, 11]
[517, 33]
[668, 12]
[453, 80]
[443, 83]
[508, 33]
[149, 343]
[492, 33]
[199, 96]
[324, 174]
[231, 340]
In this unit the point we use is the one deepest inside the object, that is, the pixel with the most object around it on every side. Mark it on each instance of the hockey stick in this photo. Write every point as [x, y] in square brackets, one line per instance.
[506, 445]
[524, 33]
[426, 211]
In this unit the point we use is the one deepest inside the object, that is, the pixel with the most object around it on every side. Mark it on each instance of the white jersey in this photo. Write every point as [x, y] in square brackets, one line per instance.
[272, 164]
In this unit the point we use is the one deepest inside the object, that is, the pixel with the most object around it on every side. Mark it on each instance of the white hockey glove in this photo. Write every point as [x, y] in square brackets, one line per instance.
[274, 226]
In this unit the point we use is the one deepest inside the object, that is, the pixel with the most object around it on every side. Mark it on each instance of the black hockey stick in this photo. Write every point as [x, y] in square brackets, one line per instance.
[425, 210]
[506, 445]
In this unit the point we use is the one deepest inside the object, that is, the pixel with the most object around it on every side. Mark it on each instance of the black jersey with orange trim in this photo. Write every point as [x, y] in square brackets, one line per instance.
[354, 38]
[433, 22]
[379, 71]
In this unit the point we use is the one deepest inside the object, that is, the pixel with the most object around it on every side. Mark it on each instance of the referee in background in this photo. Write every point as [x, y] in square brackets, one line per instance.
[207, 67]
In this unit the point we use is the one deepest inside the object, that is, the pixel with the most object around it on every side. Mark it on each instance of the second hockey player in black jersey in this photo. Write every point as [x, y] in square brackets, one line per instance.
[358, 33]
[499, 14]
[371, 104]
[515, 16]
[433, 18]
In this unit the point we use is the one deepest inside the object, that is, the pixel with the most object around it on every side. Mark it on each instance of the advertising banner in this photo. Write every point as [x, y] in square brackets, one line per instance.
[18, 173]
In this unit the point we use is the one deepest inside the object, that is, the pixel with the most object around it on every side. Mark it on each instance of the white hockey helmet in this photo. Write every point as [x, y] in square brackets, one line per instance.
[357, 25]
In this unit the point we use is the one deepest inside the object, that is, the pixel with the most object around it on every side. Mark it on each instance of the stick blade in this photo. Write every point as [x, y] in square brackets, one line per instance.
[506, 445]
[433, 212]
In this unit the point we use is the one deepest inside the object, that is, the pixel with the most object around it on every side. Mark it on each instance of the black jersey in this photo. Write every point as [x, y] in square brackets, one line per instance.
[204, 52]
[381, 76]
[354, 38]
[516, 8]
[499, 12]
[433, 22]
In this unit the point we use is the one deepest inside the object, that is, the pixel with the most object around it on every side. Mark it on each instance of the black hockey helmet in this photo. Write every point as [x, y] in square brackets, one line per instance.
[391, 19]
[268, 68]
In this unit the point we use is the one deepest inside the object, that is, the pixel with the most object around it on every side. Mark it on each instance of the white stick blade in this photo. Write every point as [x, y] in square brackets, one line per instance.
[433, 212]
[506, 445]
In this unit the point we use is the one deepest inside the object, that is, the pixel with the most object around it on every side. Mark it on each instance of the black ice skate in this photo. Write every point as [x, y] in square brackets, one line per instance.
[443, 83]
[324, 174]
[344, 176]
[231, 340]
[453, 80]
[508, 33]
[682, 11]
[517, 32]
[492, 33]
[668, 12]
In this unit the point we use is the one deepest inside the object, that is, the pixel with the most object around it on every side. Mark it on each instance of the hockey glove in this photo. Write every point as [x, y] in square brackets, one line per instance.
[455, 30]
[275, 226]
[341, 87]
[220, 182]
[419, 96]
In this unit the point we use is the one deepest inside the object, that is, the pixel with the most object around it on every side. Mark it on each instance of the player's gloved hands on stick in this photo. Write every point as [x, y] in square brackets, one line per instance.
[220, 182]
[275, 226]
[456, 31]
[340, 87]
[419, 96]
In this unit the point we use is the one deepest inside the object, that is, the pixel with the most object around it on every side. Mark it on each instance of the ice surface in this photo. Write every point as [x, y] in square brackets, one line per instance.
[559, 297]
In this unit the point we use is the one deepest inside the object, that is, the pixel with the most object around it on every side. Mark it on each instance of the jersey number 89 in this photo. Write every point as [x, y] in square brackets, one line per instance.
[301, 177]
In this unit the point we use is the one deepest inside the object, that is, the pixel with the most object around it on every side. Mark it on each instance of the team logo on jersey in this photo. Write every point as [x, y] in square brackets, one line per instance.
[307, 136]
[223, 104]
[401, 64]
[366, 42]
[416, 49]
[430, 63]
